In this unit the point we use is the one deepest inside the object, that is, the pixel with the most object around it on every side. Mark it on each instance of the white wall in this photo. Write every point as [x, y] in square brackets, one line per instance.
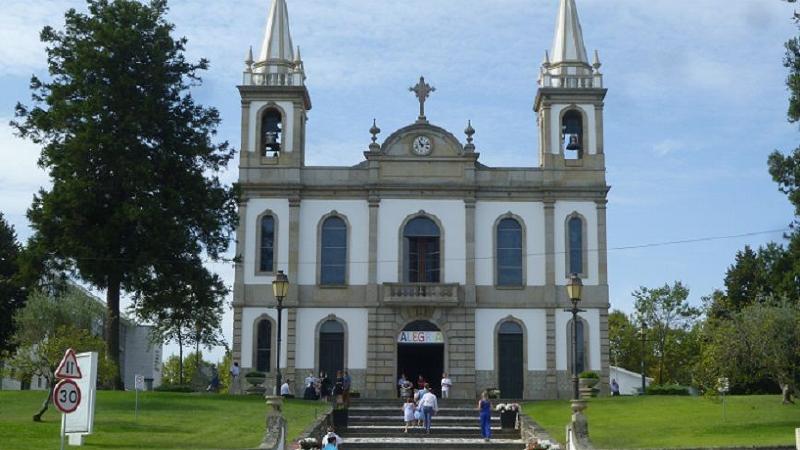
[287, 131]
[588, 128]
[451, 214]
[357, 214]
[356, 335]
[535, 321]
[249, 315]
[255, 207]
[486, 214]
[589, 211]
[629, 382]
[592, 318]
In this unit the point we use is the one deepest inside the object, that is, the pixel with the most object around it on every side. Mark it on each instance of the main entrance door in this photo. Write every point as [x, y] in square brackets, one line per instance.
[510, 359]
[420, 351]
[331, 348]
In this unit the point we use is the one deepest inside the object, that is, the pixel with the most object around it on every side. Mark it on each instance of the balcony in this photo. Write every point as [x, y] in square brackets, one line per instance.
[420, 294]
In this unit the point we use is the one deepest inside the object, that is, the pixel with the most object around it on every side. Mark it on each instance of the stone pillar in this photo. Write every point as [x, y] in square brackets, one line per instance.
[372, 287]
[551, 294]
[291, 348]
[239, 299]
[552, 373]
[602, 243]
[550, 243]
[246, 127]
[598, 120]
[469, 288]
[275, 435]
[292, 299]
[604, 352]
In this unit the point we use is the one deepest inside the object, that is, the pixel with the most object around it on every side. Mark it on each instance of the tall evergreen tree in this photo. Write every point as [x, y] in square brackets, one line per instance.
[130, 153]
[12, 295]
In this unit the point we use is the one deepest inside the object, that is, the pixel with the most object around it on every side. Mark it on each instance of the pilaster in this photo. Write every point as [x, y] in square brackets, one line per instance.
[294, 249]
[241, 246]
[605, 352]
[469, 288]
[245, 126]
[291, 343]
[237, 334]
[552, 374]
[598, 120]
[602, 243]
[550, 242]
[372, 286]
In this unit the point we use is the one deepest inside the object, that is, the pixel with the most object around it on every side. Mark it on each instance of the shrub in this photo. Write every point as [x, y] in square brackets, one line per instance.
[667, 389]
[589, 374]
[174, 388]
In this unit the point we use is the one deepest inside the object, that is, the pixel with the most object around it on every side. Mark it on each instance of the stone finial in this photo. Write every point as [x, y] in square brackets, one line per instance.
[597, 64]
[546, 63]
[374, 131]
[469, 131]
[248, 63]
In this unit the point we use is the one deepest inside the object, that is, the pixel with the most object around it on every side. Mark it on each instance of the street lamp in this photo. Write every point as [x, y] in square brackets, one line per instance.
[280, 287]
[643, 338]
[574, 289]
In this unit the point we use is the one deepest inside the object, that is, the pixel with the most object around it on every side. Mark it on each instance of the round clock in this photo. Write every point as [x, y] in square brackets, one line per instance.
[422, 146]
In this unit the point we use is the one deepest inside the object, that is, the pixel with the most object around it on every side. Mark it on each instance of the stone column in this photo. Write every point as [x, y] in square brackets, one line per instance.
[598, 120]
[239, 299]
[551, 385]
[550, 243]
[469, 288]
[294, 250]
[291, 349]
[551, 294]
[604, 352]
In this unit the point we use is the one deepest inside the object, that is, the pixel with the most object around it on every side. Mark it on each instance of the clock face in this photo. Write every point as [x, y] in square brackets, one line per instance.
[422, 146]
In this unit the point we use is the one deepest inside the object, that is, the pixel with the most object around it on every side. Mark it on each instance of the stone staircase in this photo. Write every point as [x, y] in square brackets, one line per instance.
[378, 425]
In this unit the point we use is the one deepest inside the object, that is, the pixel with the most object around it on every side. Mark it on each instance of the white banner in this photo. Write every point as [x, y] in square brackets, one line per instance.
[82, 420]
[420, 337]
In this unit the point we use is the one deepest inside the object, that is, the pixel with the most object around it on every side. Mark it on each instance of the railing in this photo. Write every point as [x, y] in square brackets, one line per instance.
[573, 81]
[420, 294]
[273, 79]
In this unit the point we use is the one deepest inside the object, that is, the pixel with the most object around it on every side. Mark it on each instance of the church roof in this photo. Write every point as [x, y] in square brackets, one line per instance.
[277, 43]
[568, 46]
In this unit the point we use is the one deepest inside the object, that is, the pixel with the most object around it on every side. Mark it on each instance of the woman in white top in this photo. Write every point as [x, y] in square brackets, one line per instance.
[447, 383]
[408, 413]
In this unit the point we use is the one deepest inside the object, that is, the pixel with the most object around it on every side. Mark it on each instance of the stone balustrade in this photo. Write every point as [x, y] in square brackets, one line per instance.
[421, 294]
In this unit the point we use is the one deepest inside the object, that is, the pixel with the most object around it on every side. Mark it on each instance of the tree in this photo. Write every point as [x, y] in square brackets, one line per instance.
[130, 153]
[47, 326]
[668, 316]
[625, 346]
[12, 293]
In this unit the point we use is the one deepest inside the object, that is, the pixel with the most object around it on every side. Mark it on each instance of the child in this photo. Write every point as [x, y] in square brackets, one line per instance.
[331, 440]
[447, 383]
[408, 413]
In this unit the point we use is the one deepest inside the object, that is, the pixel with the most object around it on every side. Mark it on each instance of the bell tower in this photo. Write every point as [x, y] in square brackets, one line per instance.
[569, 102]
[275, 100]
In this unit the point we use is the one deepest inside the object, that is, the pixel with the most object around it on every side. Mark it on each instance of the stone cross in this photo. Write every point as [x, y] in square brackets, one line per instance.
[422, 91]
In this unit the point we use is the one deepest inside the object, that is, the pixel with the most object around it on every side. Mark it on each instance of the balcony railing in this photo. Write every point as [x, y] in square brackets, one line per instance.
[421, 294]
[273, 79]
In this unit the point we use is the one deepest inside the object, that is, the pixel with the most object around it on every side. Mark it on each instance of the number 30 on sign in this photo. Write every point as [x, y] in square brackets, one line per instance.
[67, 396]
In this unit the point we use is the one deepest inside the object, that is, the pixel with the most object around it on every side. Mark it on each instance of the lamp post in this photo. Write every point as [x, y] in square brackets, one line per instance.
[574, 289]
[280, 287]
[643, 338]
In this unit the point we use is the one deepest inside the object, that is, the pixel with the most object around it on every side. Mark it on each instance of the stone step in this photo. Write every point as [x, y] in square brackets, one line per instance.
[425, 442]
[395, 410]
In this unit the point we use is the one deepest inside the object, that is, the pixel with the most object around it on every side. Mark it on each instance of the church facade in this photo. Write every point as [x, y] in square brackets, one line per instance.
[420, 259]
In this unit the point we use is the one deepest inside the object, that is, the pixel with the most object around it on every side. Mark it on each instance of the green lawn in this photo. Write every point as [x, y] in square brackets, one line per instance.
[165, 421]
[659, 421]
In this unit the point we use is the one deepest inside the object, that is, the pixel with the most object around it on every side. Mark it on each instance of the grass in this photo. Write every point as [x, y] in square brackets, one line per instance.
[674, 422]
[165, 421]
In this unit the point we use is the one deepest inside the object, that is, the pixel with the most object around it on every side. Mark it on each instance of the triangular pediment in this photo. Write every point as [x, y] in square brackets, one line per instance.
[401, 143]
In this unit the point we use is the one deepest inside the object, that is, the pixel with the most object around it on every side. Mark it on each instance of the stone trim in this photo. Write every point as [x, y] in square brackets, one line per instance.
[552, 381]
[275, 243]
[294, 248]
[550, 242]
[348, 245]
[470, 297]
[584, 245]
[273, 331]
[241, 248]
[236, 354]
[402, 259]
[524, 248]
[343, 323]
[602, 243]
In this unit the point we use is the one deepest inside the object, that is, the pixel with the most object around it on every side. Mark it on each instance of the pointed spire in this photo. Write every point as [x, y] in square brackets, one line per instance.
[248, 63]
[299, 59]
[277, 43]
[597, 64]
[568, 46]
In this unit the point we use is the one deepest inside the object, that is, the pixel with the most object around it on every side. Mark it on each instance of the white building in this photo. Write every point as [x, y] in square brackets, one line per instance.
[420, 259]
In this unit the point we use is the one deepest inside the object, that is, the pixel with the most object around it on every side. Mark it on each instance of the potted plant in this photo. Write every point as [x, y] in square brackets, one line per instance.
[508, 415]
[493, 393]
[256, 381]
[587, 381]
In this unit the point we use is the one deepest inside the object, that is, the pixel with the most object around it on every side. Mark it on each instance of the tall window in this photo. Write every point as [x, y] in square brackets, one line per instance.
[267, 255]
[263, 345]
[509, 253]
[333, 251]
[582, 360]
[575, 230]
[422, 254]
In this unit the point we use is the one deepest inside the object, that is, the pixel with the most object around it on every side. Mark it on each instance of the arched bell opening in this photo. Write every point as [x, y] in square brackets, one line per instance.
[271, 132]
[572, 134]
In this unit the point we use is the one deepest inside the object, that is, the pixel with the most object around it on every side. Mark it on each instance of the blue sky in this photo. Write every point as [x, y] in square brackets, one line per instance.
[696, 102]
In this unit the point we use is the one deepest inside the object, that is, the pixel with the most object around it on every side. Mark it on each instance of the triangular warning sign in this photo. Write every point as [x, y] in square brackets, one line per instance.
[69, 368]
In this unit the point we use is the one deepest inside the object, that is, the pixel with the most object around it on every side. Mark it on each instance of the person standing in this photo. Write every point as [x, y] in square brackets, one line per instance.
[286, 391]
[614, 388]
[400, 382]
[347, 384]
[429, 407]
[485, 408]
[236, 384]
[408, 413]
[447, 383]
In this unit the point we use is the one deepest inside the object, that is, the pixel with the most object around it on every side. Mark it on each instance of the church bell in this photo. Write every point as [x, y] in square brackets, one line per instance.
[573, 143]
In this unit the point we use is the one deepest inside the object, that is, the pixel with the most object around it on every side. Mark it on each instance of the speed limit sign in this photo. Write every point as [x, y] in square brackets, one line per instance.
[67, 396]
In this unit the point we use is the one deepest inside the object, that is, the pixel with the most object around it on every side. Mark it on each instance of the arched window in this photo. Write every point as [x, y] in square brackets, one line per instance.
[509, 253]
[572, 130]
[422, 251]
[271, 132]
[267, 244]
[583, 343]
[575, 243]
[333, 252]
[263, 345]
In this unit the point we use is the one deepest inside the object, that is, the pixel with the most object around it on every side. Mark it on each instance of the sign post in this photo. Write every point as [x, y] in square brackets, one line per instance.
[81, 422]
[723, 386]
[138, 386]
[67, 394]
